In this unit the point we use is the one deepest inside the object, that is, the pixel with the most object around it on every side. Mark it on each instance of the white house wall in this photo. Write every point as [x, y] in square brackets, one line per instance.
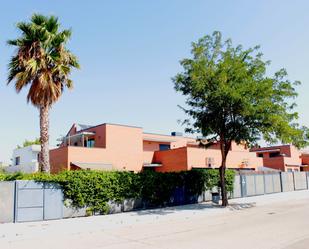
[28, 159]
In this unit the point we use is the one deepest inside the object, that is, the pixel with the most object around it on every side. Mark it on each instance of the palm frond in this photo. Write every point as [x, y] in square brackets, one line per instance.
[52, 24]
[38, 19]
[42, 60]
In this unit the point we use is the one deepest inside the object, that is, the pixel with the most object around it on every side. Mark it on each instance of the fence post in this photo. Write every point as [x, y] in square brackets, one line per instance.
[264, 180]
[255, 184]
[281, 181]
[293, 181]
[15, 201]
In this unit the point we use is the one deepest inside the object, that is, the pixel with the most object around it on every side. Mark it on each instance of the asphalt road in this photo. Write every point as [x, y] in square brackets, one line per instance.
[270, 221]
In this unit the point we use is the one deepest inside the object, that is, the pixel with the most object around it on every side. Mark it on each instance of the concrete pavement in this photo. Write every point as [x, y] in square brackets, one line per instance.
[269, 221]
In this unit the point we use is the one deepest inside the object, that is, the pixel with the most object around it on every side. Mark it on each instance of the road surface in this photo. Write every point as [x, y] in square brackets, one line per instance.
[269, 221]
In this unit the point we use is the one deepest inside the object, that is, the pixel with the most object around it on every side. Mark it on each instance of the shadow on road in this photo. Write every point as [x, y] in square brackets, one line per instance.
[196, 207]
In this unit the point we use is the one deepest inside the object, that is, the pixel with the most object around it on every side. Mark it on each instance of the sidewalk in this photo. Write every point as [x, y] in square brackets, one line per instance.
[194, 222]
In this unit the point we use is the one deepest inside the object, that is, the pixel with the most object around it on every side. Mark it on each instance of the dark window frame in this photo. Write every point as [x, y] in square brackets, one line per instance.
[163, 147]
[17, 160]
[274, 154]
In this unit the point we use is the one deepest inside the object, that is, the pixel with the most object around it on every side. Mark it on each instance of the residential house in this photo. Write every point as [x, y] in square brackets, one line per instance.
[25, 159]
[283, 157]
[121, 147]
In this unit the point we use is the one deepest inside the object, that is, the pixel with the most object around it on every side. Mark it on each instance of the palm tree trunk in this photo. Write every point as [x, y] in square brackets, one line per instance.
[44, 138]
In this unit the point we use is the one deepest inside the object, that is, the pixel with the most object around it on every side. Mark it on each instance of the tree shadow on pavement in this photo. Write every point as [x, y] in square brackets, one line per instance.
[196, 207]
[240, 206]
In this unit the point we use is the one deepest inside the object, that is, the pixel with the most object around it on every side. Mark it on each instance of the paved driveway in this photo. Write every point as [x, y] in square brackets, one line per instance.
[270, 221]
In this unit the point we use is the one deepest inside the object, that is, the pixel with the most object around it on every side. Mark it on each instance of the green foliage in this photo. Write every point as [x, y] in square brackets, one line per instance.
[230, 97]
[42, 60]
[29, 142]
[93, 189]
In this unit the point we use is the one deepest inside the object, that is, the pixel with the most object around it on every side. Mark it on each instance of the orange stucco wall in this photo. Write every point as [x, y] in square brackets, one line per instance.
[235, 159]
[128, 148]
[274, 163]
[99, 136]
[186, 158]
[149, 147]
[172, 160]
[59, 159]
[125, 145]
[290, 157]
[118, 145]
[305, 161]
[151, 144]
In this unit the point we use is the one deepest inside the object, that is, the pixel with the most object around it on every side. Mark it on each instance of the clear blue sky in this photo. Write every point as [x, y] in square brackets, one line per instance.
[129, 50]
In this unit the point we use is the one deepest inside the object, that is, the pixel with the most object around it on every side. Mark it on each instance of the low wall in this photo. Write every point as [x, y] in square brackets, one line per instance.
[236, 187]
[287, 181]
[22, 201]
[7, 200]
[254, 185]
[272, 183]
[300, 180]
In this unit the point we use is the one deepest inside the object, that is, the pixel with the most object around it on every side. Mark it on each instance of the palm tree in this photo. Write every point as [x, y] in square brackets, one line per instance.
[43, 63]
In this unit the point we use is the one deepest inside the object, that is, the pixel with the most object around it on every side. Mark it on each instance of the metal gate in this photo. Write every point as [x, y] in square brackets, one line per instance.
[37, 201]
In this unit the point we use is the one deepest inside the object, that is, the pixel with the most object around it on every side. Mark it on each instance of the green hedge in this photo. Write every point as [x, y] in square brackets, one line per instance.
[93, 189]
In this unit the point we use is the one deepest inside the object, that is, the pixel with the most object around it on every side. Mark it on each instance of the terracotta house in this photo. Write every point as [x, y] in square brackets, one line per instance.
[121, 147]
[283, 157]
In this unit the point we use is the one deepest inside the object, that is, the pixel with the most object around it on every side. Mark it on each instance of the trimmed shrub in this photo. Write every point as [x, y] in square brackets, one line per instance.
[93, 189]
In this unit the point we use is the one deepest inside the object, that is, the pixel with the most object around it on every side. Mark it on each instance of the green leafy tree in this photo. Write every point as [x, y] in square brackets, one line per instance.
[29, 142]
[230, 97]
[43, 63]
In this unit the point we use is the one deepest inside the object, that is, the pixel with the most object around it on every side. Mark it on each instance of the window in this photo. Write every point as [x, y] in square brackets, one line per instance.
[164, 146]
[260, 154]
[17, 160]
[274, 154]
[89, 143]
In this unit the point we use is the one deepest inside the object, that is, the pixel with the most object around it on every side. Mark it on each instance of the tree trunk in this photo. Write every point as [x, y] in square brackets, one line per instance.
[44, 138]
[225, 147]
[222, 183]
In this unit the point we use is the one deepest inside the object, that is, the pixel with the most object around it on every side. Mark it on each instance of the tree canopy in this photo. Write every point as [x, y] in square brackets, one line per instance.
[230, 96]
[29, 142]
[42, 60]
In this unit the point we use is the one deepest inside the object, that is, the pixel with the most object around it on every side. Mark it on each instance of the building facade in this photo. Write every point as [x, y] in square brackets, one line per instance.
[25, 159]
[121, 147]
[283, 158]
